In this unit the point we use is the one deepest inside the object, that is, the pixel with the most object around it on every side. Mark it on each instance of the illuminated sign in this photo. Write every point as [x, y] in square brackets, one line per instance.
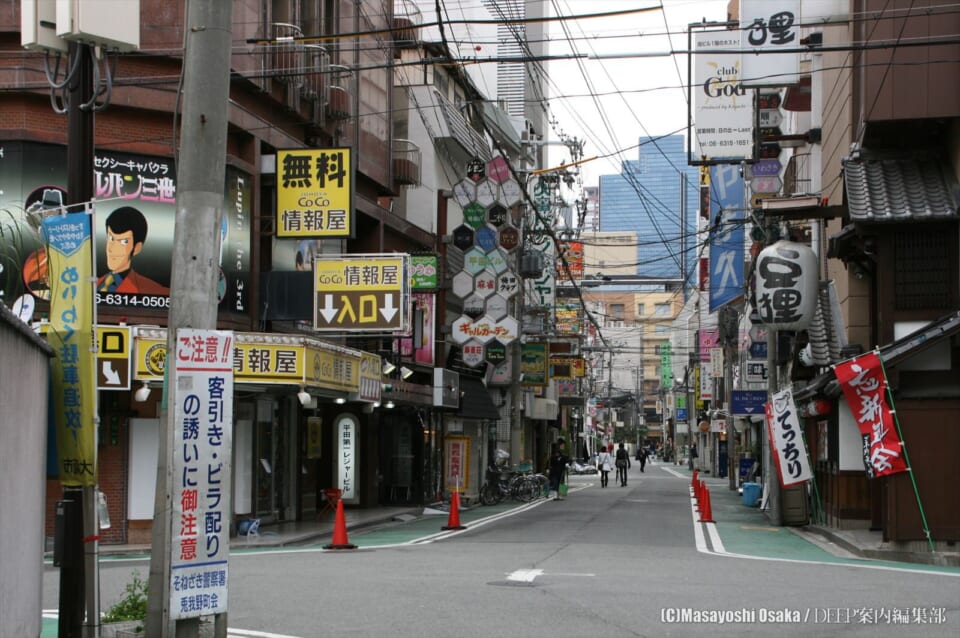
[360, 293]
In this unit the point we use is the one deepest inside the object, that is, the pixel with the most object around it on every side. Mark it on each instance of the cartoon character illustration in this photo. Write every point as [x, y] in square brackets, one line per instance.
[126, 234]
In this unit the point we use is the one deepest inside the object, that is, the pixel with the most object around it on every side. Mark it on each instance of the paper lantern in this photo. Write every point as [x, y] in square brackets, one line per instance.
[786, 285]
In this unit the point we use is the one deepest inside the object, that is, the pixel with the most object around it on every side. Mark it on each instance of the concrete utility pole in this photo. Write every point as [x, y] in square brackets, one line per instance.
[201, 170]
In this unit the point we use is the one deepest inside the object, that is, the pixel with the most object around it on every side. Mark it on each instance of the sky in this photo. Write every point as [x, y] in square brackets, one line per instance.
[636, 96]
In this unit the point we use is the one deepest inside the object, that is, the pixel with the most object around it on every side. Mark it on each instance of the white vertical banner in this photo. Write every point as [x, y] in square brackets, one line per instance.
[723, 111]
[766, 27]
[203, 427]
[786, 439]
[716, 362]
[347, 429]
[706, 381]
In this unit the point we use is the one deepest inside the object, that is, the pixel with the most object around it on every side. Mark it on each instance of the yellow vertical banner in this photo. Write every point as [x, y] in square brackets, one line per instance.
[73, 369]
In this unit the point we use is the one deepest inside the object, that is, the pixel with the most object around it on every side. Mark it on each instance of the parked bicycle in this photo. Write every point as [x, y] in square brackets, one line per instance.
[502, 484]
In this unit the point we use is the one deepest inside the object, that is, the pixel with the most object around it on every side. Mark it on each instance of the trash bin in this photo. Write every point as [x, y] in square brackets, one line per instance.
[751, 494]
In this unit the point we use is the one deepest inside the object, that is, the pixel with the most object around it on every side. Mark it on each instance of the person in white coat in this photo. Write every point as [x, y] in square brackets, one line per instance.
[605, 465]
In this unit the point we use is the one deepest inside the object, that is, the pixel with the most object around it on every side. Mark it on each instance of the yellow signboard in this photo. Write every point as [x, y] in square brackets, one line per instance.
[315, 192]
[360, 293]
[252, 362]
[566, 367]
[332, 370]
[70, 264]
[113, 357]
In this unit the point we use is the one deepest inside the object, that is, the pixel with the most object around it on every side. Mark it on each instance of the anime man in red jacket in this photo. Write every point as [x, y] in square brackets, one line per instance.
[126, 233]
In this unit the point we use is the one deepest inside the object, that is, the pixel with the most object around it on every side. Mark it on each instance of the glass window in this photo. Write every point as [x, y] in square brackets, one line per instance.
[639, 309]
[662, 330]
[616, 310]
[662, 310]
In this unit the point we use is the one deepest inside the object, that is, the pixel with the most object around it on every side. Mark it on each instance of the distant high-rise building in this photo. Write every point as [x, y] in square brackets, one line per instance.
[646, 197]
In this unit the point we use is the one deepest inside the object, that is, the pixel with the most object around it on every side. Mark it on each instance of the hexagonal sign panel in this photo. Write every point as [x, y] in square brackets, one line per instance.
[508, 238]
[475, 214]
[498, 170]
[460, 329]
[475, 260]
[463, 237]
[510, 193]
[485, 284]
[507, 329]
[484, 329]
[495, 352]
[497, 261]
[486, 237]
[476, 169]
[465, 192]
[487, 193]
[462, 284]
[497, 215]
[473, 353]
[473, 306]
[496, 307]
[508, 284]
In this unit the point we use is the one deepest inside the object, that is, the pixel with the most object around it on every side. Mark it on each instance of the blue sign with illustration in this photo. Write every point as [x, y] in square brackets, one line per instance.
[727, 219]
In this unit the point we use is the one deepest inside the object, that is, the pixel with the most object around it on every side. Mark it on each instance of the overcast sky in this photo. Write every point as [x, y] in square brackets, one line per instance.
[634, 96]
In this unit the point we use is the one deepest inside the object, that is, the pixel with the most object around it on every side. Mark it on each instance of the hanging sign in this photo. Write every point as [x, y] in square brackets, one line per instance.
[864, 385]
[786, 287]
[786, 439]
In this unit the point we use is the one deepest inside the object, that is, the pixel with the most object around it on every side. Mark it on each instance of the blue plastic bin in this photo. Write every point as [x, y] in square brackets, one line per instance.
[751, 494]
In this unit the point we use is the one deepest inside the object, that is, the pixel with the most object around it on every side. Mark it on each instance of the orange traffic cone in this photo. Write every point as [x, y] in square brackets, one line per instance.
[453, 521]
[693, 482]
[706, 514]
[340, 531]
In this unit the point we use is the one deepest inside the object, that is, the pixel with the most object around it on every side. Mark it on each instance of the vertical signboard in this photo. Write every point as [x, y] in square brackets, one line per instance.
[314, 192]
[73, 377]
[768, 27]
[723, 112]
[726, 235]
[346, 430]
[786, 439]
[457, 474]
[202, 440]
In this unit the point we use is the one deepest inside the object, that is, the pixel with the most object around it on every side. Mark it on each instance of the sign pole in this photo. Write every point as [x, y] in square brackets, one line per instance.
[201, 168]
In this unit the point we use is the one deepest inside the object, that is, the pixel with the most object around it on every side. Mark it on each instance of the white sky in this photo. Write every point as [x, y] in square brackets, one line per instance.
[636, 96]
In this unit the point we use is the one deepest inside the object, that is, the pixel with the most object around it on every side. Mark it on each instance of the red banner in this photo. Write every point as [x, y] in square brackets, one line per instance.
[864, 385]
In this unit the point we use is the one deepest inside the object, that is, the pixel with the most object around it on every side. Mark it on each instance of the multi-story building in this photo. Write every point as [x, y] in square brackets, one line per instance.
[655, 196]
[297, 87]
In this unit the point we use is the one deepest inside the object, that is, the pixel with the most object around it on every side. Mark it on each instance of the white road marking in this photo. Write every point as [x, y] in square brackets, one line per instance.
[524, 575]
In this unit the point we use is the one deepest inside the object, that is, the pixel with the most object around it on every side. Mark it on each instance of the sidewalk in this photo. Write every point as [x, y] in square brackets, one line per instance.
[728, 508]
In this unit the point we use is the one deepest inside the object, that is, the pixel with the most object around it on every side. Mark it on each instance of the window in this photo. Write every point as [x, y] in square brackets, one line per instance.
[662, 310]
[616, 310]
[639, 309]
[662, 329]
[442, 83]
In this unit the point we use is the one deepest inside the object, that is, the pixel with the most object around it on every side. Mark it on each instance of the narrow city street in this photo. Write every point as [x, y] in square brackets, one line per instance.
[606, 561]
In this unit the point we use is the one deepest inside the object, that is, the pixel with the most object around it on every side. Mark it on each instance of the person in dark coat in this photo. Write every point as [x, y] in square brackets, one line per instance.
[558, 469]
[641, 456]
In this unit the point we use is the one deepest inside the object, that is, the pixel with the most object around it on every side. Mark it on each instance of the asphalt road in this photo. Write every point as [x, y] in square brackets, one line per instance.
[615, 561]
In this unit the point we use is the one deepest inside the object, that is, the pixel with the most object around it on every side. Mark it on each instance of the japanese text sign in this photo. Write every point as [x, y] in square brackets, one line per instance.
[201, 470]
[72, 372]
[314, 192]
[864, 386]
[768, 27]
[786, 439]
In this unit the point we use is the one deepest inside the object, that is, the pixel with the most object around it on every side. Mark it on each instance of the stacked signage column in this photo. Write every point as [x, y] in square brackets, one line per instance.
[487, 282]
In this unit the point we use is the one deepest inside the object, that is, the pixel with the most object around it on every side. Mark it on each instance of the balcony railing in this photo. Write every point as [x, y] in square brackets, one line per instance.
[339, 100]
[406, 163]
[796, 177]
[406, 23]
[287, 59]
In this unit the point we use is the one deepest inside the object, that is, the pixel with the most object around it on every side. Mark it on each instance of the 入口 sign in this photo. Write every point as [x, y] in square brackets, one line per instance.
[357, 292]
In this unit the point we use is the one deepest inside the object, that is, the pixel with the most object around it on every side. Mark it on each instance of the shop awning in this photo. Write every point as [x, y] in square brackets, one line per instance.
[475, 401]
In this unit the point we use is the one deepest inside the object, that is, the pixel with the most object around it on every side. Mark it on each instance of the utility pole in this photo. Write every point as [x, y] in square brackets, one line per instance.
[201, 165]
[79, 576]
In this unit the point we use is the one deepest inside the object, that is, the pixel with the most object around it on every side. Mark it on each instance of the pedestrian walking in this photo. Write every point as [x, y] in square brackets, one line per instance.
[605, 465]
[558, 468]
[642, 457]
[623, 463]
[692, 461]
